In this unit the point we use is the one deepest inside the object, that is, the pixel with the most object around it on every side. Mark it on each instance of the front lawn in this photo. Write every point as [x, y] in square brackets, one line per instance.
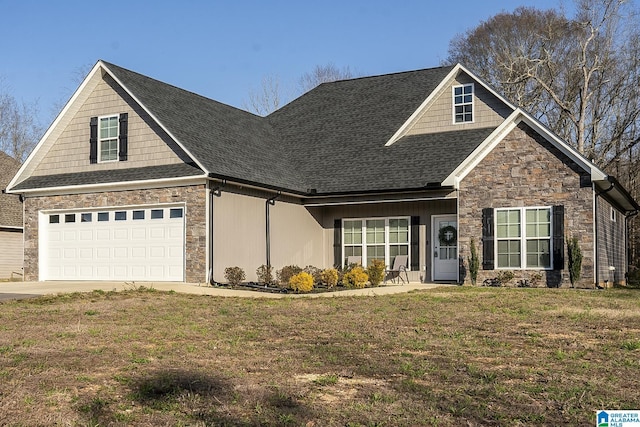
[450, 356]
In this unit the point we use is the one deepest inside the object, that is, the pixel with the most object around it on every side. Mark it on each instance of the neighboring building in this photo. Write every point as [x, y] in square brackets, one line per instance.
[139, 180]
[11, 241]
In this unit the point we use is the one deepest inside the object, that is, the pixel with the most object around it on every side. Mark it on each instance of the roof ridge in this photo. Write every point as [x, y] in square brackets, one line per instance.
[111, 66]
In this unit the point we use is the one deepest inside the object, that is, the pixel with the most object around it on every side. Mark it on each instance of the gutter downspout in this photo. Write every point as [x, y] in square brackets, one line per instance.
[217, 192]
[269, 202]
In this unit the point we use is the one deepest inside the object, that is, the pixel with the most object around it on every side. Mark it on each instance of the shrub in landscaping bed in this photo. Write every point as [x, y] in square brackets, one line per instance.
[301, 282]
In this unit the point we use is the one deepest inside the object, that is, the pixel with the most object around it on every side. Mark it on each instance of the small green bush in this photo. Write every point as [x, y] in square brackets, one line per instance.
[375, 271]
[234, 275]
[301, 282]
[474, 262]
[265, 274]
[285, 273]
[575, 260]
[329, 277]
[356, 278]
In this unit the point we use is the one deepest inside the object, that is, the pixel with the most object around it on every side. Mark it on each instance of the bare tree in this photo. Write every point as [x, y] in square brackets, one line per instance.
[580, 76]
[268, 98]
[273, 95]
[19, 127]
[323, 74]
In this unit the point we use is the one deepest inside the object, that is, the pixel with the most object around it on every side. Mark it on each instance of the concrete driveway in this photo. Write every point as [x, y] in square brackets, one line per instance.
[21, 290]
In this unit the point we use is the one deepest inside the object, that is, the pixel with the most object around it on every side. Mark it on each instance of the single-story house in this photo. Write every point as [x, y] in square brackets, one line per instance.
[11, 240]
[140, 180]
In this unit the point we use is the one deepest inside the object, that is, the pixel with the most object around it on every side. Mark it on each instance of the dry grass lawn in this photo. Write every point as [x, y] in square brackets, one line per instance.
[446, 357]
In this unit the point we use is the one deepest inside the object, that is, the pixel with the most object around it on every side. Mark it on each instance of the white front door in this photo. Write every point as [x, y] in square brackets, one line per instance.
[445, 248]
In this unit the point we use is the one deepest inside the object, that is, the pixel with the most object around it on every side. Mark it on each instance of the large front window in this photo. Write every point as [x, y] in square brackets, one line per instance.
[523, 237]
[108, 138]
[375, 238]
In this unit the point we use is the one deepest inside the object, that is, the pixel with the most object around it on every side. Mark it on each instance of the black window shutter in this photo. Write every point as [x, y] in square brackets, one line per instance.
[488, 262]
[415, 243]
[93, 140]
[558, 237]
[337, 243]
[122, 155]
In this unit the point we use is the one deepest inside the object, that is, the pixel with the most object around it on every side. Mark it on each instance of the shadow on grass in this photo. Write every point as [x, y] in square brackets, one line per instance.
[185, 396]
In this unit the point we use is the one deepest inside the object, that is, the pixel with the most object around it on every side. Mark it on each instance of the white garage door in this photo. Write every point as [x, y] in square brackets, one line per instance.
[144, 244]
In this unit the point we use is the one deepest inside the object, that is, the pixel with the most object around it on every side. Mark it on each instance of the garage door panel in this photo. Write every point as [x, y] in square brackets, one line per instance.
[97, 247]
[70, 253]
[86, 253]
[156, 252]
[103, 234]
[120, 253]
[139, 234]
[139, 252]
[157, 232]
[121, 234]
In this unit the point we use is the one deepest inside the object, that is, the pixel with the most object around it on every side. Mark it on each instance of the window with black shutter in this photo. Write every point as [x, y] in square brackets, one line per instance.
[108, 138]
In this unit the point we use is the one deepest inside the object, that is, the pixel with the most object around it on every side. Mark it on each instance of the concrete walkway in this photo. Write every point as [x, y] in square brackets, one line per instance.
[20, 290]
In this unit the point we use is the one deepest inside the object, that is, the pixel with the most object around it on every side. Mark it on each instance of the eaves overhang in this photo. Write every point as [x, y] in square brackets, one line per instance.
[616, 194]
[109, 186]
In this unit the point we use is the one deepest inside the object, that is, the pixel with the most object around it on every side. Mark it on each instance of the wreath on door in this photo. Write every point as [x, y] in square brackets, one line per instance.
[448, 235]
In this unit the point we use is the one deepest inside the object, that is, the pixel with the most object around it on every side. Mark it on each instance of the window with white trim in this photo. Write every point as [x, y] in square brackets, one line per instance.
[108, 138]
[376, 238]
[523, 238]
[463, 103]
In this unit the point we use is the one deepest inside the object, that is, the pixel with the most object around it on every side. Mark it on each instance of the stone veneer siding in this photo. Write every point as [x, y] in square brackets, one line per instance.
[194, 196]
[526, 170]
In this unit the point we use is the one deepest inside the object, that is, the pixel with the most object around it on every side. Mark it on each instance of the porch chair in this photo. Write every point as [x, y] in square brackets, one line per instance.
[399, 267]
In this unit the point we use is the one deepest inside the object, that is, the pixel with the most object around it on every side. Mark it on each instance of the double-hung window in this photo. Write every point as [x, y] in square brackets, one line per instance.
[108, 138]
[524, 238]
[376, 238]
[463, 103]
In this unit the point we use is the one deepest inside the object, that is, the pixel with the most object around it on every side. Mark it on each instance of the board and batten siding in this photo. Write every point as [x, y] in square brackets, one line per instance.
[488, 111]
[611, 246]
[239, 235]
[11, 258]
[148, 144]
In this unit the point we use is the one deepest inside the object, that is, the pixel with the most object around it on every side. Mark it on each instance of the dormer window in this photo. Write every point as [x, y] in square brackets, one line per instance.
[463, 103]
[108, 139]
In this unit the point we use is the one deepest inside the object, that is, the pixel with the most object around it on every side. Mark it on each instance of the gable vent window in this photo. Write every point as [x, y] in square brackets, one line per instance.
[108, 138]
[463, 103]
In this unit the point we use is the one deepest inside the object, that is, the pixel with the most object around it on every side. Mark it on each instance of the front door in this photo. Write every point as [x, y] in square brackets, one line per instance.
[445, 248]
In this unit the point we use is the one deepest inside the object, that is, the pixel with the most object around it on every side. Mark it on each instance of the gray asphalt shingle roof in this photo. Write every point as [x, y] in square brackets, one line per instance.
[330, 140]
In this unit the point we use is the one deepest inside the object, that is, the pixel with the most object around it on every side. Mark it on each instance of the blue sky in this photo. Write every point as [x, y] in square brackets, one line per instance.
[223, 49]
